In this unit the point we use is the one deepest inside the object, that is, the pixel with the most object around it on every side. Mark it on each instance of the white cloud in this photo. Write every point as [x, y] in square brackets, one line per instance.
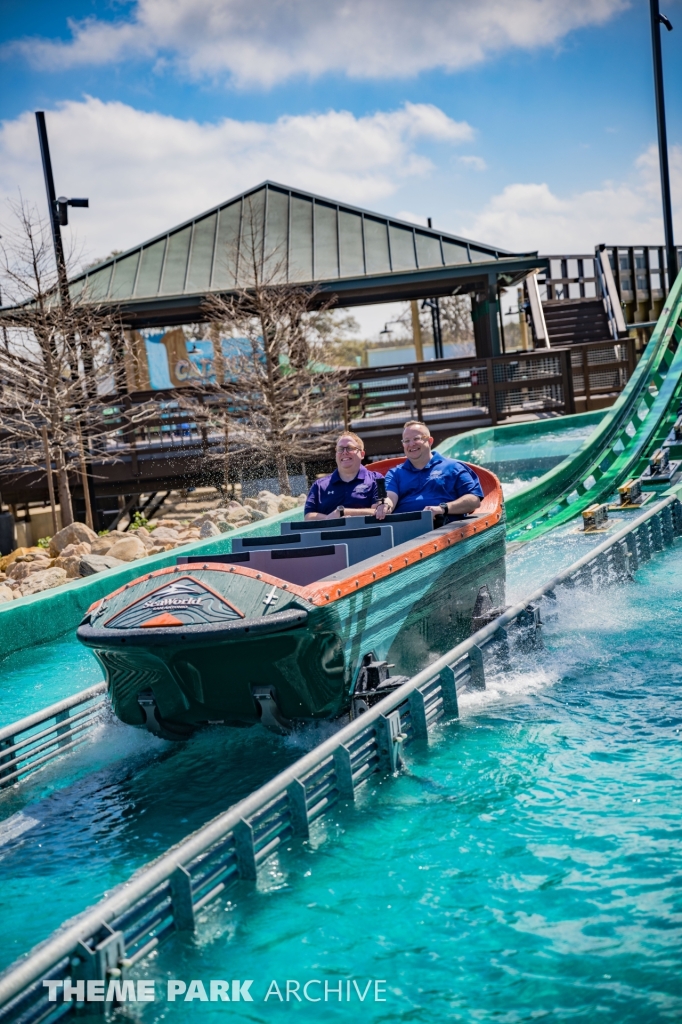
[477, 162]
[531, 216]
[272, 40]
[144, 172]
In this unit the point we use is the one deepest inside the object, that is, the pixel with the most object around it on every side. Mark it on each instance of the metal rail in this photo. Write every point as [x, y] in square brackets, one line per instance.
[25, 746]
[164, 897]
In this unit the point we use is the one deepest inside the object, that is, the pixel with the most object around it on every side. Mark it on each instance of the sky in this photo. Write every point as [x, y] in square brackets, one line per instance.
[526, 124]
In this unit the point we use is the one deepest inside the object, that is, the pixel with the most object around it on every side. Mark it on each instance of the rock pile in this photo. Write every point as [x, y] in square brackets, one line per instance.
[77, 551]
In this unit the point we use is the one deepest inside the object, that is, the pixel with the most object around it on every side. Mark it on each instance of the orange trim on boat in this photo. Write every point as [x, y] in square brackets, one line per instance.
[488, 514]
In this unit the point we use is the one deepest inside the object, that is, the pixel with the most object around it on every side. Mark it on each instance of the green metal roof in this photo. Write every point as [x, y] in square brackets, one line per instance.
[311, 239]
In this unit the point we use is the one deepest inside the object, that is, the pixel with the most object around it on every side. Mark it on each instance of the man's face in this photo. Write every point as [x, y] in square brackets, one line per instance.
[348, 456]
[416, 443]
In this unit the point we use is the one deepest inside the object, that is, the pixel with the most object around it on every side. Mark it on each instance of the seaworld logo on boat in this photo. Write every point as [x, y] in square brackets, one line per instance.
[173, 602]
[314, 990]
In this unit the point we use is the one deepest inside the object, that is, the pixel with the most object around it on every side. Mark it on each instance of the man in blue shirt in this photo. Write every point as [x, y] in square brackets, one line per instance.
[429, 481]
[351, 490]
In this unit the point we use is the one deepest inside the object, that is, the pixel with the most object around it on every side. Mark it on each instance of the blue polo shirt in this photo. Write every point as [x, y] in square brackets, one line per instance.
[331, 491]
[440, 480]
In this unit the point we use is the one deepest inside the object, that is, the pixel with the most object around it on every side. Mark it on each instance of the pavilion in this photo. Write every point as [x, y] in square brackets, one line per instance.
[351, 255]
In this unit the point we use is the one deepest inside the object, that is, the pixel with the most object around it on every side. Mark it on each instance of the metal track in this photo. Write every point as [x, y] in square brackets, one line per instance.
[617, 449]
[164, 897]
[25, 746]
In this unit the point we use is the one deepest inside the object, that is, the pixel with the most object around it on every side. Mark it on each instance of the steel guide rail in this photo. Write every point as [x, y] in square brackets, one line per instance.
[166, 896]
[25, 747]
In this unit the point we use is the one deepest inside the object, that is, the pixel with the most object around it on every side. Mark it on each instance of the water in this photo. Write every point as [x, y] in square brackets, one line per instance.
[528, 866]
[39, 676]
[521, 460]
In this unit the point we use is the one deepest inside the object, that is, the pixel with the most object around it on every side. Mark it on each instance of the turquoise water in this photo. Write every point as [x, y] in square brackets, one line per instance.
[34, 678]
[559, 443]
[528, 866]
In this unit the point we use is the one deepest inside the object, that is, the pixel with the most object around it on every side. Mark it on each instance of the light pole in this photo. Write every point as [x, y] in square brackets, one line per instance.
[658, 19]
[59, 210]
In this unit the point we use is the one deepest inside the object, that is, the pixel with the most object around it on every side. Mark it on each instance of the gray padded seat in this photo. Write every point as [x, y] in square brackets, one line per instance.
[299, 565]
[406, 525]
[362, 541]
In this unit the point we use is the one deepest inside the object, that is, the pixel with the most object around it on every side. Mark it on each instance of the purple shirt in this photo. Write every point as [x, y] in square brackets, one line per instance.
[331, 491]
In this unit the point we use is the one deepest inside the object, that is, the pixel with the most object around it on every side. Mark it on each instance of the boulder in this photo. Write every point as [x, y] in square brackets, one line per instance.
[70, 563]
[21, 570]
[171, 524]
[7, 560]
[127, 549]
[251, 502]
[209, 529]
[5, 594]
[76, 533]
[90, 564]
[301, 499]
[163, 534]
[236, 515]
[45, 580]
[287, 502]
[75, 549]
[257, 515]
[144, 534]
[103, 544]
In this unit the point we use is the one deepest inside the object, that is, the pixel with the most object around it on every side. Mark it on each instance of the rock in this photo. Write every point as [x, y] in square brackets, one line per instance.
[287, 502]
[5, 594]
[103, 544]
[144, 534]
[70, 563]
[128, 549]
[162, 534]
[45, 580]
[7, 560]
[251, 502]
[171, 524]
[75, 549]
[76, 533]
[158, 549]
[209, 529]
[21, 570]
[302, 498]
[90, 564]
[235, 515]
[2, 577]
[257, 515]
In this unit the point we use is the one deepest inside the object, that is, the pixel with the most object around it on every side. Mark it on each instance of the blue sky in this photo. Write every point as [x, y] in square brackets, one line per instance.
[527, 124]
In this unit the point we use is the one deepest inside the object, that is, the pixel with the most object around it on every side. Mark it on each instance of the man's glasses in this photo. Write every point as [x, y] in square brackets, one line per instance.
[346, 450]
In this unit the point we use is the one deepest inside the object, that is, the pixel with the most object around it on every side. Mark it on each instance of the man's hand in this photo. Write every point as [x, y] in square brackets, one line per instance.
[458, 507]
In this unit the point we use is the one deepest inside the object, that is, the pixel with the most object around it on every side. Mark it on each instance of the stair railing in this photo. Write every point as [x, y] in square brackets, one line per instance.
[609, 293]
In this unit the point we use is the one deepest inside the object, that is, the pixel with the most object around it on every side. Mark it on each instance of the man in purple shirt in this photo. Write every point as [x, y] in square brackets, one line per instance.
[351, 490]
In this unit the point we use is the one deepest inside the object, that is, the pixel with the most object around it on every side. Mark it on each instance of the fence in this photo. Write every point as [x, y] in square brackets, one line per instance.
[106, 941]
[32, 742]
[562, 380]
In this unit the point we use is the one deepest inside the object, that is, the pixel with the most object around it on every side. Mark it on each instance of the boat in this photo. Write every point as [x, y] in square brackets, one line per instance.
[297, 627]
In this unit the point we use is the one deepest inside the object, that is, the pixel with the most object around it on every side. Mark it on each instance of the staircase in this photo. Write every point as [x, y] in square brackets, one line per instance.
[576, 321]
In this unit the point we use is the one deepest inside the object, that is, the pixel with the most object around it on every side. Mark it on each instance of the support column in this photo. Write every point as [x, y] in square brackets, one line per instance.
[484, 313]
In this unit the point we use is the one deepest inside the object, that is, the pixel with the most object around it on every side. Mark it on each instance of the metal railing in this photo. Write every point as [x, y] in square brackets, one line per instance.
[163, 898]
[34, 741]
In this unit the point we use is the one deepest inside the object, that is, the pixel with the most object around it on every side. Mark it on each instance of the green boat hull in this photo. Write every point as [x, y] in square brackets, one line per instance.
[308, 654]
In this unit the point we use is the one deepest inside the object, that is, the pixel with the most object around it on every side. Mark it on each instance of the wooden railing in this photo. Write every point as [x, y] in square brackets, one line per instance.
[562, 380]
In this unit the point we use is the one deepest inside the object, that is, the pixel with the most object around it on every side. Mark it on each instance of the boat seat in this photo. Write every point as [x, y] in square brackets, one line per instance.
[406, 525]
[300, 565]
[363, 542]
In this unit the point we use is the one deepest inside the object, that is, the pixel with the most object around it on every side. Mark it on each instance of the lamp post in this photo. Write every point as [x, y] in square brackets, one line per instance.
[658, 19]
[59, 210]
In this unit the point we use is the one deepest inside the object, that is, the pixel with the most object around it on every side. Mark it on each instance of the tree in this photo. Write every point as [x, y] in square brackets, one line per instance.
[281, 397]
[56, 365]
